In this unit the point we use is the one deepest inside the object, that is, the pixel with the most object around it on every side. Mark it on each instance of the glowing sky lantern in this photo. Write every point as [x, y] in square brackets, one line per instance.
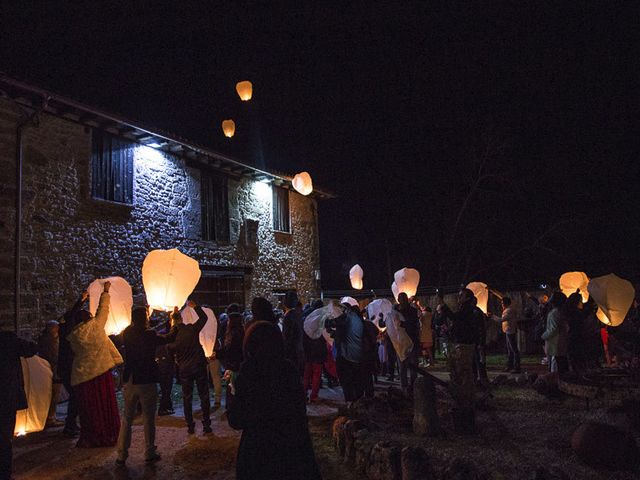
[407, 280]
[571, 282]
[228, 128]
[355, 275]
[245, 90]
[38, 377]
[302, 183]
[208, 332]
[614, 297]
[169, 277]
[121, 301]
[481, 292]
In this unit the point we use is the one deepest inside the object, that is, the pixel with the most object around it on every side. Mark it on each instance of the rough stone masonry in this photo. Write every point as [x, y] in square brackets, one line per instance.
[70, 238]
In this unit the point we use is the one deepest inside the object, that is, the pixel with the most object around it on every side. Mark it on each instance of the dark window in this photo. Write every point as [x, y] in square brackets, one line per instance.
[219, 290]
[281, 221]
[215, 208]
[111, 168]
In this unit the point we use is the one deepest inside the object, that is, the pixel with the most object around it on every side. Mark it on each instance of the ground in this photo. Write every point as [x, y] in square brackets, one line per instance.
[519, 431]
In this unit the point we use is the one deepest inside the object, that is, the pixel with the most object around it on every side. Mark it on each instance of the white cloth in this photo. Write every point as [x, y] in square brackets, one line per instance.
[402, 343]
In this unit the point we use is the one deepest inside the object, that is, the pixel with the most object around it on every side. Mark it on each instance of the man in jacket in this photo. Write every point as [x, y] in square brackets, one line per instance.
[140, 380]
[292, 331]
[509, 322]
[192, 366]
[48, 348]
[411, 324]
[348, 333]
[12, 396]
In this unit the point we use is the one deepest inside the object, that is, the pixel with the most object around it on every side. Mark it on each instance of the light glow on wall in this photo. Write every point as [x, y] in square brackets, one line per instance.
[262, 191]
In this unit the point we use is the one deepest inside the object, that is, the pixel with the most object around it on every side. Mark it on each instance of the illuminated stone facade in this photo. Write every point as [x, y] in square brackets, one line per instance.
[70, 238]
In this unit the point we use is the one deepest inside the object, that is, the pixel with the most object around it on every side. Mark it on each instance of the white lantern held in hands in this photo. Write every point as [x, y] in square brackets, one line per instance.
[571, 282]
[614, 297]
[169, 277]
[121, 302]
[208, 332]
[38, 378]
[481, 292]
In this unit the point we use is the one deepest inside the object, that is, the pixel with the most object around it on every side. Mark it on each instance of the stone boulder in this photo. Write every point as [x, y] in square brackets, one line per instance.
[460, 469]
[547, 385]
[363, 445]
[602, 445]
[337, 432]
[351, 429]
[415, 465]
[425, 413]
[384, 461]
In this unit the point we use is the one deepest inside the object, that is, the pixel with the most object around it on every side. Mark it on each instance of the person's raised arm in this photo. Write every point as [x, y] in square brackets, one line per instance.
[202, 316]
[102, 314]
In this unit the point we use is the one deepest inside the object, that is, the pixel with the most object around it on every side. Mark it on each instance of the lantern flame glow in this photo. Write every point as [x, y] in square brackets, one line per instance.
[302, 183]
[571, 282]
[355, 275]
[229, 128]
[245, 90]
[614, 297]
[481, 292]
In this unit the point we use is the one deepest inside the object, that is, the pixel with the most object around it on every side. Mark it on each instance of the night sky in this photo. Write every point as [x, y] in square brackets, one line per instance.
[494, 142]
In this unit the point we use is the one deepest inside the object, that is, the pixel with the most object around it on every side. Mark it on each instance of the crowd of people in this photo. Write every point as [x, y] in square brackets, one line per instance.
[271, 368]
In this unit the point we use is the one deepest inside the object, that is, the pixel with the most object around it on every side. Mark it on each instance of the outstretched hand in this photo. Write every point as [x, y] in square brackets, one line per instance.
[191, 304]
[84, 296]
[107, 286]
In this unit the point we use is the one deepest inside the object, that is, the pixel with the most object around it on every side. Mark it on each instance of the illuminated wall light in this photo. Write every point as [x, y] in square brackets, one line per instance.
[262, 190]
[228, 128]
[245, 90]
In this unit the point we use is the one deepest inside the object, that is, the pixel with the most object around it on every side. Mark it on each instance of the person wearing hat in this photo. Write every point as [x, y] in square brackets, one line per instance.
[48, 348]
[292, 331]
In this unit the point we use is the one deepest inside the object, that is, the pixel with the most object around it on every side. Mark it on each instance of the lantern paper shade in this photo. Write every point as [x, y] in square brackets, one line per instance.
[169, 277]
[37, 376]
[481, 292]
[614, 297]
[395, 290]
[119, 306]
[314, 323]
[355, 275]
[302, 183]
[208, 332]
[228, 128]
[378, 308]
[571, 282]
[350, 301]
[402, 343]
[245, 90]
[407, 281]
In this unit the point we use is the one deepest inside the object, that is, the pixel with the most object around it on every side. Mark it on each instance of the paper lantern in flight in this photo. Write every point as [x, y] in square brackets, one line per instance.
[571, 282]
[481, 292]
[350, 301]
[121, 301]
[355, 275]
[228, 128]
[379, 309]
[407, 280]
[245, 90]
[169, 277]
[37, 376]
[614, 297]
[208, 332]
[302, 183]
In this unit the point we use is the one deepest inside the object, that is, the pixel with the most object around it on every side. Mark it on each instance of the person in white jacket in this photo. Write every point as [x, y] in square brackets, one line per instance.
[509, 322]
[94, 357]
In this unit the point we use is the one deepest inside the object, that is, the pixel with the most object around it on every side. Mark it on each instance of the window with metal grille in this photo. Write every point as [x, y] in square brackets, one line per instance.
[111, 167]
[281, 218]
[215, 207]
[219, 289]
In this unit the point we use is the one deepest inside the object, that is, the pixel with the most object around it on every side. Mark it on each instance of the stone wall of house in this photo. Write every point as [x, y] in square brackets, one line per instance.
[69, 238]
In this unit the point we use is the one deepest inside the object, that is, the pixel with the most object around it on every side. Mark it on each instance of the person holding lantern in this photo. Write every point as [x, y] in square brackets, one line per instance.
[12, 395]
[94, 357]
[556, 334]
[509, 322]
[192, 365]
[230, 352]
[411, 324]
[48, 348]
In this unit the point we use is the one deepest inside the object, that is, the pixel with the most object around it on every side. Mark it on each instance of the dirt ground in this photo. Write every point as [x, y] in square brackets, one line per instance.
[519, 431]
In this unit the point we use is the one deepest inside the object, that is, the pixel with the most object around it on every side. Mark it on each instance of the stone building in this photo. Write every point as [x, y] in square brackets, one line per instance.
[99, 192]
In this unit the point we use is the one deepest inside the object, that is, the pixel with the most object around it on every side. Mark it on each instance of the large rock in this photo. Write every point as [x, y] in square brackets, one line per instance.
[415, 465]
[460, 469]
[337, 433]
[602, 445]
[425, 413]
[363, 445]
[384, 461]
[547, 385]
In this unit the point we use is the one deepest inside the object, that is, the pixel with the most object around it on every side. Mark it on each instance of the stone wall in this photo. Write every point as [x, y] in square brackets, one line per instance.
[70, 238]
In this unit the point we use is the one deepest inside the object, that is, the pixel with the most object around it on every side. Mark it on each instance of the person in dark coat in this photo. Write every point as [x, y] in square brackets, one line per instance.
[411, 324]
[261, 311]
[165, 358]
[12, 396]
[270, 410]
[192, 366]
[65, 363]
[230, 352]
[292, 331]
[48, 348]
[369, 356]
